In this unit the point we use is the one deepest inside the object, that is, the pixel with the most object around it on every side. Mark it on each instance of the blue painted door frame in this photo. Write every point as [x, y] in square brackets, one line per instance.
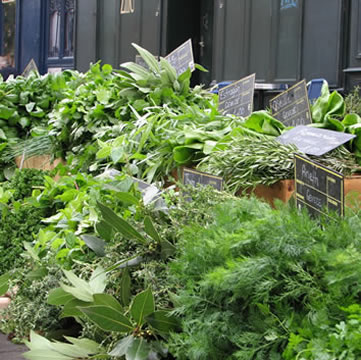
[30, 34]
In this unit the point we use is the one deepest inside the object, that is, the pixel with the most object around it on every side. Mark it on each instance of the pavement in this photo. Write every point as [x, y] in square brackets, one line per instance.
[10, 351]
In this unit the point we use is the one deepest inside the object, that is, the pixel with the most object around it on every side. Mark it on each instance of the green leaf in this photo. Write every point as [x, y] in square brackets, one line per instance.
[104, 230]
[80, 294]
[127, 198]
[122, 346]
[117, 154]
[59, 297]
[119, 224]
[29, 248]
[30, 107]
[125, 287]
[71, 308]
[104, 152]
[167, 249]
[200, 67]
[150, 229]
[182, 154]
[98, 280]
[4, 283]
[142, 306]
[139, 350]
[89, 345]
[351, 119]
[46, 354]
[103, 95]
[94, 243]
[148, 58]
[107, 318]
[5, 112]
[107, 300]
[162, 321]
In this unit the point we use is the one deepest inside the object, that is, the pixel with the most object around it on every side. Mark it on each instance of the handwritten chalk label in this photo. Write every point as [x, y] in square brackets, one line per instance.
[182, 58]
[292, 107]
[318, 188]
[29, 68]
[193, 177]
[237, 98]
[314, 141]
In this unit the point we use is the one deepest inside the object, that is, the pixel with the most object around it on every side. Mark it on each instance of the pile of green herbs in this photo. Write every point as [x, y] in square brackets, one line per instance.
[245, 161]
[262, 283]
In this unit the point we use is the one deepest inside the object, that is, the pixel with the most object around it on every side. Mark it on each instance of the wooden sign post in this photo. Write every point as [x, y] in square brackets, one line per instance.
[193, 177]
[292, 107]
[182, 58]
[314, 141]
[318, 188]
[237, 98]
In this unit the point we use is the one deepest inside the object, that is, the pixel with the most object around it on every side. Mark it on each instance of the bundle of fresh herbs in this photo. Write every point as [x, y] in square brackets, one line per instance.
[258, 283]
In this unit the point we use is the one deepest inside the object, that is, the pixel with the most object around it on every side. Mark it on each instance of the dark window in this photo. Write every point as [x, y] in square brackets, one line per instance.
[61, 32]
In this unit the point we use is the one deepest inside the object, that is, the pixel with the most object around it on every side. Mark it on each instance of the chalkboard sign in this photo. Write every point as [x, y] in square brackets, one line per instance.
[193, 177]
[314, 141]
[29, 68]
[237, 98]
[182, 58]
[291, 107]
[318, 188]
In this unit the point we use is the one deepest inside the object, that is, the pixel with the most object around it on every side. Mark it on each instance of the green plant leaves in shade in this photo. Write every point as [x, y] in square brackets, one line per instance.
[167, 249]
[5, 112]
[131, 348]
[122, 346]
[127, 198]
[150, 229]
[104, 230]
[4, 283]
[119, 224]
[139, 350]
[125, 287]
[80, 290]
[107, 318]
[71, 308]
[262, 122]
[142, 306]
[98, 280]
[107, 300]
[43, 349]
[59, 297]
[162, 321]
[37, 274]
[94, 243]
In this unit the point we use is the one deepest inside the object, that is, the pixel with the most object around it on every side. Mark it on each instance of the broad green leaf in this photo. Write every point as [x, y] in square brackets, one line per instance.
[139, 350]
[103, 95]
[79, 284]
[30, 107]
[104, 230]
[89, 345]
[2, 135]
[351, 119]
[71, 308]
[127, 198]
[107, 318]
[142, 306]
[94, 243]
[46, 354]
[150, 229]
[162, 321]
[148, 58]
[98, 280]
[80, 294]
[122, 346]
[5, 112]
[4, 283]
[167, 249]
[119, 224]
[29, 248]
[107, 300]
[59, 297]
[117, 154]
[125, 287]
[182, 154]
[69, 350]
[104, 152]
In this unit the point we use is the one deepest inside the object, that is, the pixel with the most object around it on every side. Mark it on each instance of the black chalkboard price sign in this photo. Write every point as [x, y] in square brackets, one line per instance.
[182, 58]
[291, 107]
[314, 141]
[318, 188]
[237, 98]
[193, 177]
